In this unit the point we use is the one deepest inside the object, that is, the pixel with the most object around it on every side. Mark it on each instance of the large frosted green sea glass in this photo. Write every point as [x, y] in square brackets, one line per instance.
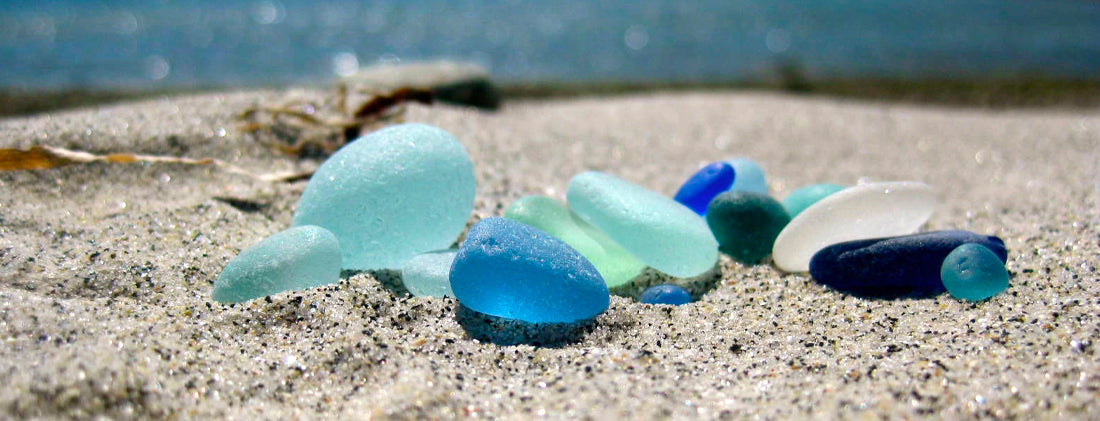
[658, 231]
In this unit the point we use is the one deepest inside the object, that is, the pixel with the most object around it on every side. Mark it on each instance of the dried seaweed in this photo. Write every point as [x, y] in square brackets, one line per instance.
[309, 129]
[302, 129]
[42, 157]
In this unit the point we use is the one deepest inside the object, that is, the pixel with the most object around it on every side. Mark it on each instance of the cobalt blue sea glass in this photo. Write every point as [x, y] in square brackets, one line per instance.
[704, 185]
[508, 269]
[896, 266]
[665, 294]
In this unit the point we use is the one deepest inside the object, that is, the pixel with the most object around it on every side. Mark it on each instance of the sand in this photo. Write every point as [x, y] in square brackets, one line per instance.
[106, 273]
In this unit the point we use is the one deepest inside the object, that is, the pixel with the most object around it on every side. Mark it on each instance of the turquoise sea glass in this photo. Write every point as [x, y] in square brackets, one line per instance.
[508, 269]
[392, 194]
[802, 198]
[973, 272]
[298, 258]
[750, 177]
[428, 274]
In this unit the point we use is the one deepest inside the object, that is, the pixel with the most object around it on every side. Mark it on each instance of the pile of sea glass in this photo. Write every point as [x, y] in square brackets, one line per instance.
[399, 197]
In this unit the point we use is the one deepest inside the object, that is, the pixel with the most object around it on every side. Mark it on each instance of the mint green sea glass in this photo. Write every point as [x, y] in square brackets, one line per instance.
[428, 274]
[802, 198]
[392, 194]
[660, 232]
[615, 264]
[298, 258]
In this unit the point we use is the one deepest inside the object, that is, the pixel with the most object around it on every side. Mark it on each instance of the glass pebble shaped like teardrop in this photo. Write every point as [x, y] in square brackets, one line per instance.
[392, 194]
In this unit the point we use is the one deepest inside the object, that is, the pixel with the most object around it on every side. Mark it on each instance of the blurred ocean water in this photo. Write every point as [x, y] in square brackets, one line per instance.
[162, 43]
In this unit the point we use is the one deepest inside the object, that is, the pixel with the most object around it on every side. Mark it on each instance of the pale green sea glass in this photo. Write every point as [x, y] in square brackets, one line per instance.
[298, 258]
[392, 194]
[615, 264]
[428, 274]
[660, 232]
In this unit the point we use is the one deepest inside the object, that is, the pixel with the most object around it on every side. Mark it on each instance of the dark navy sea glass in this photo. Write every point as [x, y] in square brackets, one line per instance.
[896, 266]
[704, 185]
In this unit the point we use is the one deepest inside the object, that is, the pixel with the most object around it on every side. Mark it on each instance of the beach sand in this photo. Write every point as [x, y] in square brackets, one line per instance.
[106, 273]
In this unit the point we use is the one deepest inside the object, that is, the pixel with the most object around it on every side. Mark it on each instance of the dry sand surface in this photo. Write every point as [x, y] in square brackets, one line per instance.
[106, 273]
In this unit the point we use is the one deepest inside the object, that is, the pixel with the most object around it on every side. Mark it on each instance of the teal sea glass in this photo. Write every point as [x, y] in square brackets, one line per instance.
[746, 224]
[973, 272]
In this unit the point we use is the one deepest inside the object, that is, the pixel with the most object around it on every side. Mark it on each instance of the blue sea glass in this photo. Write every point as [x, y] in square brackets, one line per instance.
[750, 177]
[973, 272]
[665, 294]
[298, 258]
[896, 266]
[508, 269]
[392, 194]
[616, 265]
[658, 231]
[802, 198]
[697, 192]
[429, 274]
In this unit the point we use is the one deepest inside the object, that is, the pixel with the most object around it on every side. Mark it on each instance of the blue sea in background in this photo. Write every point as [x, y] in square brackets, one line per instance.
[161, 43]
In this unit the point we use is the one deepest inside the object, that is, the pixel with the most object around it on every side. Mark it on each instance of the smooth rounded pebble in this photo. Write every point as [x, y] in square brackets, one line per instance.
[392, 194]
[865, 211]
[658, 231]
[699, 189]
[746, 224]
[298, 258]
[973, 272]
[665, 294]
[508, 269]
[749, 176]
[802, 198]
[615, 264]
[896, 266]
[429, 274]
